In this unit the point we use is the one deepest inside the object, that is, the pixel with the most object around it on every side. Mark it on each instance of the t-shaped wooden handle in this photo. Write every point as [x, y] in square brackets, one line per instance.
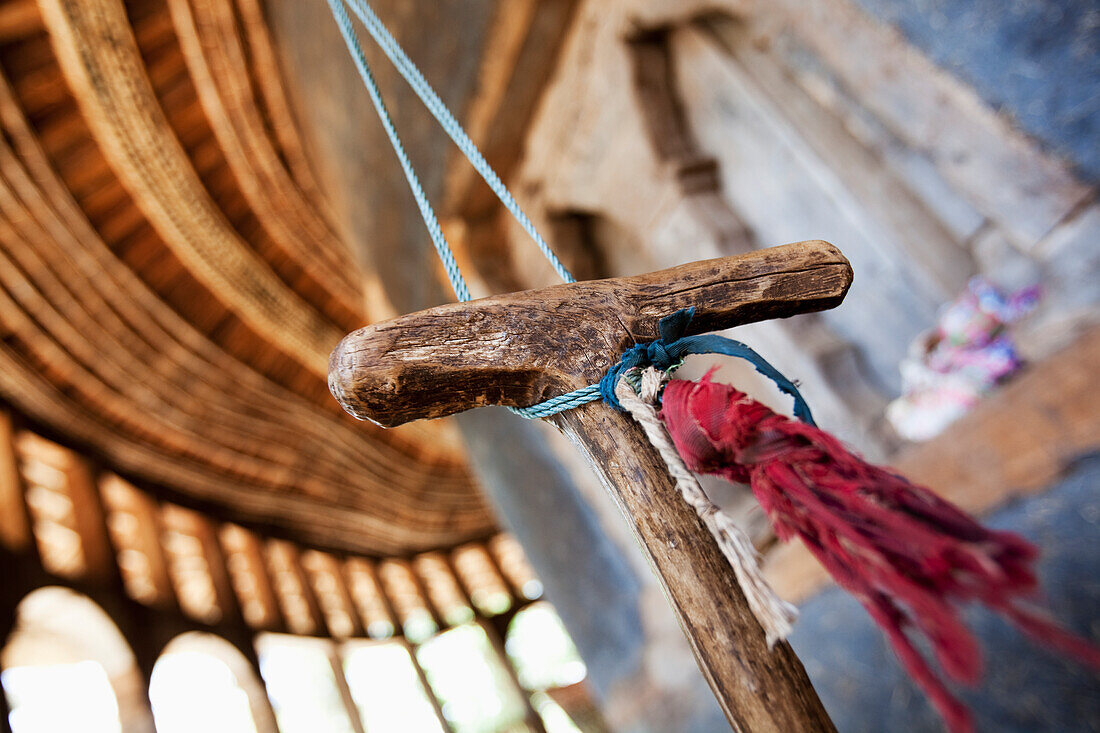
[521, 348]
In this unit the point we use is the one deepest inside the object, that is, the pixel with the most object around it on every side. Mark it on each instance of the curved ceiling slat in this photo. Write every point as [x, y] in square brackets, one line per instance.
[121, 280]
[174, 340]
[266, 73]
[40, 398]
[365, 495]
[83, 391]
[118, 371]
[101, 196]
[210, 44]
[85, 388]
[99, 56]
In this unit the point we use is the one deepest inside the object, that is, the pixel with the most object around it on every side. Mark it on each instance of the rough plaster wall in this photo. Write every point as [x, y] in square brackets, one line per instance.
[374, 208]
[589, 151]
[984, 193]
[1037, 61]
[898, 163]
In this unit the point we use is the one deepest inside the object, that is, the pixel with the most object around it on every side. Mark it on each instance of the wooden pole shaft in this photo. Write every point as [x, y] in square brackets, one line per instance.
[521, 348]
[336, 661]
[437, 708]
[760, 690]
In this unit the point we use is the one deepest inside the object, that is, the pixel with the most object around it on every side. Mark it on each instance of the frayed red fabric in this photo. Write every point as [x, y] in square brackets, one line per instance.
[907, 555]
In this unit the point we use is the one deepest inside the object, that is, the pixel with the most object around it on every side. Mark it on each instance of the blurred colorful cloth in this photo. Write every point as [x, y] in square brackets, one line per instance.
[950, 368]
[911, 558]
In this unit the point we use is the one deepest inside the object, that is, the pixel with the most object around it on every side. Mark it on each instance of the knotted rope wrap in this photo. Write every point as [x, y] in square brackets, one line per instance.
[907, 555]
[665, 354]
[669, 351]
[775, 615]
[651, 364]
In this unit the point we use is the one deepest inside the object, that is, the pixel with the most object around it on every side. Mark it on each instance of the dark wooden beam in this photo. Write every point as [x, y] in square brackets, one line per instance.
[521, 348]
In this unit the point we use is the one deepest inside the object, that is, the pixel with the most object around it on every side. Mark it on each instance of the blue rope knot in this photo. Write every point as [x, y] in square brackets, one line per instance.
[667, 353]
[662, 354]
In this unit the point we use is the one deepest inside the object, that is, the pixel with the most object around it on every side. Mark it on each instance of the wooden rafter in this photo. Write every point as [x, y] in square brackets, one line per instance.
[99, 55]
[215, 416]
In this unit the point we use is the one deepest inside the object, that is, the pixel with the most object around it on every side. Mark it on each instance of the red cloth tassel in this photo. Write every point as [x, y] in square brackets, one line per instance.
[907, 555]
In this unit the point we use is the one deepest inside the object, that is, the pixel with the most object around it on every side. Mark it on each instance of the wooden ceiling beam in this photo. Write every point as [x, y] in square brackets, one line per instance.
[214, 393]
[211, 44]
[300, 608]
[508, 557]
[195, 566]
[483, 584]
[442, 589]
[15, 530]
[374, 608]
[333, 597]
[248, 571]
[99, 56]
[399, 585]
[133, 521]
[48, 468]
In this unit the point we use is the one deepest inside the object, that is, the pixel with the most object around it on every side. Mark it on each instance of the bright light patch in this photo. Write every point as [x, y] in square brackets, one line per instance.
[301, 685]
[541, 650]
[470, 682]
[61, 697]
[180, 679]
[387, 689]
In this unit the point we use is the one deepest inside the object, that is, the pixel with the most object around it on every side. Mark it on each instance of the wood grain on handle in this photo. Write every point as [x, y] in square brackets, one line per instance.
[521, 348]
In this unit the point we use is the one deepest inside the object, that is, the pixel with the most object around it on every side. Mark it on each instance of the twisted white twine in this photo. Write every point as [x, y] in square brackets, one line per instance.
[774, 614]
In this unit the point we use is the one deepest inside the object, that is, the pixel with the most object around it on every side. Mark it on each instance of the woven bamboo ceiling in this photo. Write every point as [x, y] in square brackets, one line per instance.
[172, 278]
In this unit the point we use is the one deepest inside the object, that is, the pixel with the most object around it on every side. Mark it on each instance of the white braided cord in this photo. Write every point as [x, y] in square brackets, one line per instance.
[775, 615]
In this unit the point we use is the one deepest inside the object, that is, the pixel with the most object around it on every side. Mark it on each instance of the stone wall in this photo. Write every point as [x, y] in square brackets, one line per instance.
[674, 131]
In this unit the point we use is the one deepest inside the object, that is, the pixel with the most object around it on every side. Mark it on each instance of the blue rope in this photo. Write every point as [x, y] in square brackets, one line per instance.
[666, 353]
[458, 283]
[447, 121]
[561, 403]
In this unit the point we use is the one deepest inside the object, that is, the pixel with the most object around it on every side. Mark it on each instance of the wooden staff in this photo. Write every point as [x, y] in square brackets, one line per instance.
[521, 348]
